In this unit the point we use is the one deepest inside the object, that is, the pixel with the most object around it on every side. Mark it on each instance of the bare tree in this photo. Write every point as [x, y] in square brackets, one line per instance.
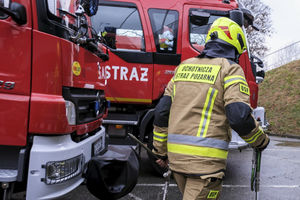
[262, 18]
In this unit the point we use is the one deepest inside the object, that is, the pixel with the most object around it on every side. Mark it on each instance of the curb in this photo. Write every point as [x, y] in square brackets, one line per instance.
[285, 135]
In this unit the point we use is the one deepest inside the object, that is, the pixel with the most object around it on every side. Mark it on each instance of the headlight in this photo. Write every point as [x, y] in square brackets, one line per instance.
[70, 112]
[60, 171]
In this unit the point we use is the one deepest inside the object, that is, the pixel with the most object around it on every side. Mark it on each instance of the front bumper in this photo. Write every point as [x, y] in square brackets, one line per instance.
[56, 148]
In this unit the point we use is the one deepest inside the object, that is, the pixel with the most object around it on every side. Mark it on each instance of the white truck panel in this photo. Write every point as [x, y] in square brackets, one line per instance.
[56, 148]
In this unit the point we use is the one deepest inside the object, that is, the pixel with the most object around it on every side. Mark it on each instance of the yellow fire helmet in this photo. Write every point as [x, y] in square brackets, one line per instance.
[228, 31]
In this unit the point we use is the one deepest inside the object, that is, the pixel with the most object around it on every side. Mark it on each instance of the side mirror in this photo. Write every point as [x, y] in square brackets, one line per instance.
[258, 61]
[90, 6]
[249, 19]
[16, 11]
[237, 16]
[260, 75]
[199, 18]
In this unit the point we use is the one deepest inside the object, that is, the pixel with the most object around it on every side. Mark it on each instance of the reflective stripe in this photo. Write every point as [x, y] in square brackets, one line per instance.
[174, 90]
[161, 137]
[128, 99]
[254, 137]
[197, 151]
[229, 80]
[173, 95]
[197, 141]
[206, 112]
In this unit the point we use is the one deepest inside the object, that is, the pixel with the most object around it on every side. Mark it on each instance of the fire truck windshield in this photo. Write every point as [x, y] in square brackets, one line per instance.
[5, 4]
[122, 31]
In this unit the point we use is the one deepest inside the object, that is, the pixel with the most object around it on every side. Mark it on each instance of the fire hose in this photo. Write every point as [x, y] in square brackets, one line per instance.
[166, 175]
[255, 173]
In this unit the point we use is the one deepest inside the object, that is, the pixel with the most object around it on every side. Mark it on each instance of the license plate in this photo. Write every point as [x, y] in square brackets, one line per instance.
[98, 146]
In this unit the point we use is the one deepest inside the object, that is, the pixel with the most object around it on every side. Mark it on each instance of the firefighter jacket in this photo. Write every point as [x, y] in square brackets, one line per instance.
[205, 97]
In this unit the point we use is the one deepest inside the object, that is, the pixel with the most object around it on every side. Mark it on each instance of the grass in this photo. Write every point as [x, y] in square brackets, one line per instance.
[280, 95]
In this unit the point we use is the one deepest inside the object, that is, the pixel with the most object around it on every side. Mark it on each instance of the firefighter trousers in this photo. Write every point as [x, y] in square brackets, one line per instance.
[198, 189]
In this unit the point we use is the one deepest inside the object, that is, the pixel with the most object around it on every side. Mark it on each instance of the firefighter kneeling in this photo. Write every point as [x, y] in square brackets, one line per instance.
[193, 118]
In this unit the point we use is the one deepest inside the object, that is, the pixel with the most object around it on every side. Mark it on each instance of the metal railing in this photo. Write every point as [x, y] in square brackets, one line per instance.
[282, 56]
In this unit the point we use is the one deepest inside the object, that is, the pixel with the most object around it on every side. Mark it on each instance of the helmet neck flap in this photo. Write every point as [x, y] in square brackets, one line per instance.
[219, 49]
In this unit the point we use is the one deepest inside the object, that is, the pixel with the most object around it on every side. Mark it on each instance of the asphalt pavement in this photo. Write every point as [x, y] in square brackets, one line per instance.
[280, 176]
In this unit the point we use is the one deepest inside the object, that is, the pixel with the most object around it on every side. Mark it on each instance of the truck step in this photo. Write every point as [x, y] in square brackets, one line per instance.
[8, 175]
[123, 122]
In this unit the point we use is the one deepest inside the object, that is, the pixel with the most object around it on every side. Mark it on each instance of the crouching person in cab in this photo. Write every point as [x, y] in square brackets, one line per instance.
[204, 99]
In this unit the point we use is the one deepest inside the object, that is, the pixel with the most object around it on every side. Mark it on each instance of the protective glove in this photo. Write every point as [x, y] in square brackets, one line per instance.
[162, 163]
[264, 143]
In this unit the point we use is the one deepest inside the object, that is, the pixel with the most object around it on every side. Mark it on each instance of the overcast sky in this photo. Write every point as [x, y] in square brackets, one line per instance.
[286, 21]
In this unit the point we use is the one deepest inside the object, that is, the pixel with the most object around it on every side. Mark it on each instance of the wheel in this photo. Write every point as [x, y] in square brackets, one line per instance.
[157, 169]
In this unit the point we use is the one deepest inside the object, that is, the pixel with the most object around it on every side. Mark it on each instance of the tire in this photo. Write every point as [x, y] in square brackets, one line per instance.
[157, 169]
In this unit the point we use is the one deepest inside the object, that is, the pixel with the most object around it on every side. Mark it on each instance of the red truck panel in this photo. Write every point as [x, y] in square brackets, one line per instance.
[90, 76]
[15, 67]
[48, 115]
[13, 119]
[128, 82]
[56, 63]
[246, 65]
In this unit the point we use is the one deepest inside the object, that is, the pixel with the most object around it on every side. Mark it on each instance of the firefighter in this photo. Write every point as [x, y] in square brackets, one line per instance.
[207, 95]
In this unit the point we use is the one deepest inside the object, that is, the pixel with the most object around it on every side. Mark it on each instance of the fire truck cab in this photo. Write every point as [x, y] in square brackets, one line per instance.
[147, 39]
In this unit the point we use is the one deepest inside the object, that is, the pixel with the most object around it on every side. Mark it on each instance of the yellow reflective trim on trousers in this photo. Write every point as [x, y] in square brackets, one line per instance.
[197, 73]
[197, 151]
[229, 80]
[206, 112]
[254, 137]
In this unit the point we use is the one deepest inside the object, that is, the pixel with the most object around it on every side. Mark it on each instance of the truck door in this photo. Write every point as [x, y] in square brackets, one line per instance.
[15, 70]
[129, 70]
[167, 51]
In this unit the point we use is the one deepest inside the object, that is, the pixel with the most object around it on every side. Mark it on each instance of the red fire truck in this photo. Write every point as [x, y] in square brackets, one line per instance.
[52, 100]
[147, 39]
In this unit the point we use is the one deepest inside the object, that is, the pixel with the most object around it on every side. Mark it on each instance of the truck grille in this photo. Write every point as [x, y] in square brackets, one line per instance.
[90, 104]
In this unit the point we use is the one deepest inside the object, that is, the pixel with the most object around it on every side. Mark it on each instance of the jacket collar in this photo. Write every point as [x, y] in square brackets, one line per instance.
[217, 49]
